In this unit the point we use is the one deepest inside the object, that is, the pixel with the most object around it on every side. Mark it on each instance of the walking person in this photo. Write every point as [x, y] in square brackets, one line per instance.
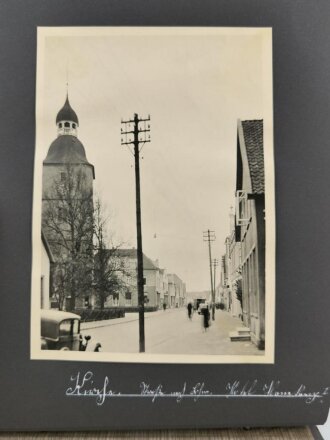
[189, 307]
[206, 317]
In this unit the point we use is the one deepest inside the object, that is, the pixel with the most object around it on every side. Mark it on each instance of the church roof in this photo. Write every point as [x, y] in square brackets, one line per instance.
[67, 113]
[66, 149]
[253, 138]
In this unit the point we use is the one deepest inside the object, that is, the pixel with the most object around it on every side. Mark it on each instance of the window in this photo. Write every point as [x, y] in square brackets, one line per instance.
[65, 328]
[62, 214]
[73, 125]
[67, 124]
[75, 326]
[242, 217]
[63, 177]
[60, 124]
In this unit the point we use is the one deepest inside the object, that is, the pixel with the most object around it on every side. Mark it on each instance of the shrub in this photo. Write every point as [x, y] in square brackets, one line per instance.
[135, 309]
[88, 315]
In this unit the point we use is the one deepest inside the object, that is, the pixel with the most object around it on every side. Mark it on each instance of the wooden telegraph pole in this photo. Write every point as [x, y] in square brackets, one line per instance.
[215, 264]
[135, 133]
[210, 236]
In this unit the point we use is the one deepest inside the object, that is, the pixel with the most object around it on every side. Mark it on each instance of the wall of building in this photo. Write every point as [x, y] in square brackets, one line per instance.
[235, 274]
[44, 280]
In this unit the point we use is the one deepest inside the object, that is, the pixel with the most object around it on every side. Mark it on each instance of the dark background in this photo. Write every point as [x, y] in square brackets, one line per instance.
[32, 393]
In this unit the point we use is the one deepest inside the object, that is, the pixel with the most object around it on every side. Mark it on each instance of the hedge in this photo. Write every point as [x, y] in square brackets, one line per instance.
[135, 309]
[88, 315]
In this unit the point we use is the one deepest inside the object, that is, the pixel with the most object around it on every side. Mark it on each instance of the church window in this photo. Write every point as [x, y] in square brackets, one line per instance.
[67, 124]
[128, 298]
[60, 213]
[60, 124]
[73, 125]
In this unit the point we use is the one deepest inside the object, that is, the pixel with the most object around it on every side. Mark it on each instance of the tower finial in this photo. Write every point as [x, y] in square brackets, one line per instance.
[67, 81]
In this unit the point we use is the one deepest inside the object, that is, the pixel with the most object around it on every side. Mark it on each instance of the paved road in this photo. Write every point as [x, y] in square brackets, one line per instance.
[170, 332]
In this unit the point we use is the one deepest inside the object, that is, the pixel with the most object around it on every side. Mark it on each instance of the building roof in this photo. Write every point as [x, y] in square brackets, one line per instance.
[148, 264]
[66, 149]
[67, 113]
[253, 138]
[46, 245]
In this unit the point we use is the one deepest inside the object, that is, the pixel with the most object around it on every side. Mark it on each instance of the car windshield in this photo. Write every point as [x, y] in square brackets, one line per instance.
[65, 327]
[75, 327]
[69, 327]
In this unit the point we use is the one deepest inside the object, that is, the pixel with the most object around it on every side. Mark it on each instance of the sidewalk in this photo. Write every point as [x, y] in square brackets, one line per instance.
[129, 317]
[189, 337]
[216, 339]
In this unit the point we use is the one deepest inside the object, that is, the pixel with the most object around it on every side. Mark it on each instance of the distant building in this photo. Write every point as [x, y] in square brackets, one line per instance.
[176, 291]
[250, 225]
[153, 278]
[163, 287]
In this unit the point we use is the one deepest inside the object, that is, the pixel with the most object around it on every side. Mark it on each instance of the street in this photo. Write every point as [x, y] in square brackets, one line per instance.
[170, 332]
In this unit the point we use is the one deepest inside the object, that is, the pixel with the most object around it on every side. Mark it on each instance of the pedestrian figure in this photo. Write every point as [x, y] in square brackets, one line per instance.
[206, 317]
[164, 306]
[98, 347]
[189, 307]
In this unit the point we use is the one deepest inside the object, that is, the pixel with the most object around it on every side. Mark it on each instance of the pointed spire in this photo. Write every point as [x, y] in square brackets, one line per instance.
[67, 113]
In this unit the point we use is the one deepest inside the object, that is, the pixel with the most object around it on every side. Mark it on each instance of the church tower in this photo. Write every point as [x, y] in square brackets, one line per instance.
[67, 213]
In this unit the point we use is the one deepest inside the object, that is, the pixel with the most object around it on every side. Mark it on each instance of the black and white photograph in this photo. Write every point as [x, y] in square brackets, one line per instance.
[154, 200]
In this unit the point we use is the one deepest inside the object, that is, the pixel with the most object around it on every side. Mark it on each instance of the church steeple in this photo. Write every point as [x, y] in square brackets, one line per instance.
[67, 120]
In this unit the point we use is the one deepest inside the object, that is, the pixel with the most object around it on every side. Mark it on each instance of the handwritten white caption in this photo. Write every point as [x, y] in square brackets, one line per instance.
[83, 385]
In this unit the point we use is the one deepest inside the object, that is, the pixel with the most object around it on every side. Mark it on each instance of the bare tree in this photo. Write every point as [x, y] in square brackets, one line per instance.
[109, 268]
[67, 221]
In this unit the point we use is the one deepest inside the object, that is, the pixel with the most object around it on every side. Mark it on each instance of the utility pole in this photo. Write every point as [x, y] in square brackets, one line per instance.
[210, 236]
[135, 133]
[215, 264]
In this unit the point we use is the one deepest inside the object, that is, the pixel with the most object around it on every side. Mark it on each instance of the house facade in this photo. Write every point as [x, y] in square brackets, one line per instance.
[153, 281]
[176, 291]
[250, 225]
[46, 260]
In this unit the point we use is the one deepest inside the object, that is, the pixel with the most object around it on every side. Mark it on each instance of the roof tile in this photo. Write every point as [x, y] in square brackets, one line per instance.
[253, 137]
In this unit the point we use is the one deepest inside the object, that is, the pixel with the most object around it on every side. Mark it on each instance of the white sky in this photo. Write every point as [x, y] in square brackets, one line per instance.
[194, 87]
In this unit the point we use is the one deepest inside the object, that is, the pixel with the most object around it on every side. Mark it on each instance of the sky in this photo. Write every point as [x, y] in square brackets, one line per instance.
[195, 85]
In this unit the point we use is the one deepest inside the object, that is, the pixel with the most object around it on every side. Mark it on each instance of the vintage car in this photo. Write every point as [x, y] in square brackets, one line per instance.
[61, 331]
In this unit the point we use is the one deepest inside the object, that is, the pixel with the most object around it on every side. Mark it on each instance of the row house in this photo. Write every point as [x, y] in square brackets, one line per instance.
[159, 287]
[223, 293]
[250, 226]
[176, 291]
[234, 270]
[163, 288]
[153, 281]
